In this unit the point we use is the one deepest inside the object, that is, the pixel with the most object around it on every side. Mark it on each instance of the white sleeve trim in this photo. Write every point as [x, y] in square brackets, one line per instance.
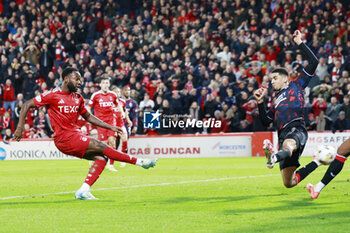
[307, 73]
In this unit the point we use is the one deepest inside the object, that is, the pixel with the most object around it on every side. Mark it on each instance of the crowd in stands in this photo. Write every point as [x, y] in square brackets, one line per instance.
[198, 58]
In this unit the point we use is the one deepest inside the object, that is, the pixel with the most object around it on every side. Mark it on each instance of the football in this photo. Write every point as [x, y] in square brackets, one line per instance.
[325, 154]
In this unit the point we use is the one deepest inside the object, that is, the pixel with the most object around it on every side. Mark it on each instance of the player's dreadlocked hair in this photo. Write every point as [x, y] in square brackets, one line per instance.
[67, 71]
[281, 71]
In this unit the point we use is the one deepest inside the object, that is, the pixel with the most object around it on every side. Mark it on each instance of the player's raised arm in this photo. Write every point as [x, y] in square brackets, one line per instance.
[311, 58]
[97, 122]
[24, 111]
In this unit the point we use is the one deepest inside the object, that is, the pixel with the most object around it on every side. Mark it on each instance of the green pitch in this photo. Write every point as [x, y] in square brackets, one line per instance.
[179, 195]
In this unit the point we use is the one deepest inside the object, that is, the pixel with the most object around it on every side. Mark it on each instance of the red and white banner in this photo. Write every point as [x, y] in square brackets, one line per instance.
[224, 145]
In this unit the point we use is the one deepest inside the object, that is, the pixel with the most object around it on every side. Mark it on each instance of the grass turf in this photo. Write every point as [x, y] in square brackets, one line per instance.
[179, 195]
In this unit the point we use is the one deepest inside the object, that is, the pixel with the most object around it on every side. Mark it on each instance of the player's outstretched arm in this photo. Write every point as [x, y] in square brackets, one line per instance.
[22, 116]
[95, 121]
[312, 59]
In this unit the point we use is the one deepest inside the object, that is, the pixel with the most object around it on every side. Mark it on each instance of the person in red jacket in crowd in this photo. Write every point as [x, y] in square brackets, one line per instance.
[224, 127]
[6, 122]
[318, 105]
[9, 96]
[151, 87]
[249, 107]
[26, 132]
[271, 52]
[256, 72]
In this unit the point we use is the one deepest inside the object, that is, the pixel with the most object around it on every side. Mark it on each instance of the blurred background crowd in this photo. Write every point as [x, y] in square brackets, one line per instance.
[199, 58]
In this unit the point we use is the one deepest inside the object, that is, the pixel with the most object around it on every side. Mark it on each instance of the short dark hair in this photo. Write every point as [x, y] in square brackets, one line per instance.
[281, 71]
[105, 78]
[67, 71]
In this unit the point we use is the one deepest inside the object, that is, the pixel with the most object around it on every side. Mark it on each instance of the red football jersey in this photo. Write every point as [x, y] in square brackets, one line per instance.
[63, 108]
[122, 103]
[103, 105]
[119, 115]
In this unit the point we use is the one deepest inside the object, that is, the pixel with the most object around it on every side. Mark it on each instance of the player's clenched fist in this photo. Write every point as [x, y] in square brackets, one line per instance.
[297, 37]
[259, 94]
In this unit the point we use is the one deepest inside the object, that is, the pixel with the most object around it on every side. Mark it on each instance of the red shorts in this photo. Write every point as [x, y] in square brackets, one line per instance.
[72, 143]
[104, 134]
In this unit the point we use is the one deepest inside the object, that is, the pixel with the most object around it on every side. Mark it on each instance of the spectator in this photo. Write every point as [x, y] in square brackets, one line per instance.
[271, 52]
[6, 122]
[244, 126]
[335, 71]
[146, 102]
[322, 91]
[9, 97]
[323, 122]
[210, 106]
[41, 123]
[333, 109]
[176, 103]
[346, 106]
[60, 54]
[318, 105]
[223, 123]
[46, 61]
[341, 123]
[249, 108]
[31, 54]
[7, 136]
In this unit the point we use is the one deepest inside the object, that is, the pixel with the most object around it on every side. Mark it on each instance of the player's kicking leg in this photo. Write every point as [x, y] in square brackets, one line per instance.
[333, 170]
[99, 152]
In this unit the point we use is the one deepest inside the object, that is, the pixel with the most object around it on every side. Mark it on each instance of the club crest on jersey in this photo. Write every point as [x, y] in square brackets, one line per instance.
[38, 98]
[280, 99]
[77, 101]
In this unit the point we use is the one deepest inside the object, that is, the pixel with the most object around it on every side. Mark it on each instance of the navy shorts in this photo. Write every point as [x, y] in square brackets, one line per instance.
[297, 132]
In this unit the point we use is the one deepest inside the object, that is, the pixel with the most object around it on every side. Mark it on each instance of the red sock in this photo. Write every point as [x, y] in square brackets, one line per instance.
[119, 156]
[111, 162]
[95, 171]
[298, 177]
[125, 146]
[340, 158]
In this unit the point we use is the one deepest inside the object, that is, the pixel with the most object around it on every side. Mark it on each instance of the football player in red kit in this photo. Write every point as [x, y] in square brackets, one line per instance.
[103, 102]
[121, 115]
[64, 106]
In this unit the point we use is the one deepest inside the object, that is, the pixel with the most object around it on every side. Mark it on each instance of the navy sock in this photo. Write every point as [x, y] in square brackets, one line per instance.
[333, 170]
[305, 171]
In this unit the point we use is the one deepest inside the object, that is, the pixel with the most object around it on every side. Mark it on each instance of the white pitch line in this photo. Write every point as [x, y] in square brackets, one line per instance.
[144, 185]
[153, 185]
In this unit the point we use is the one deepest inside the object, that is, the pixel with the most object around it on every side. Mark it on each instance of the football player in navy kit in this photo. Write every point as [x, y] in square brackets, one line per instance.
[287, 113]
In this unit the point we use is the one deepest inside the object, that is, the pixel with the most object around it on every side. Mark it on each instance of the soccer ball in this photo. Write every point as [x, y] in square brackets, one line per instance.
[325, 154]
